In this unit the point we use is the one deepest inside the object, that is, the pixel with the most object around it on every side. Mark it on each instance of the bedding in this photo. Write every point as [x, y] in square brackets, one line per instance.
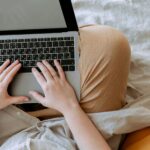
[132, 18]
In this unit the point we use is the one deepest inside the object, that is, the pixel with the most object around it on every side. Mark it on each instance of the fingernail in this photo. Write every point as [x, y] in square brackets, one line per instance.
[16, 61]
[38, 63]
[33, 69]
[26, 99]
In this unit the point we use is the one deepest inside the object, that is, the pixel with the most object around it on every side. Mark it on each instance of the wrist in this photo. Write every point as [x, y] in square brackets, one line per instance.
[71, 109]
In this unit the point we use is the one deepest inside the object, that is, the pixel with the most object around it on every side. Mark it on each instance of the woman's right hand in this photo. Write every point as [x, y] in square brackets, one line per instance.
[59, 94]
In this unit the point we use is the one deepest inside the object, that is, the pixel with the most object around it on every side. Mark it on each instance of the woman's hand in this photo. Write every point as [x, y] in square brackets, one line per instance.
[7, 74]
[59, 94]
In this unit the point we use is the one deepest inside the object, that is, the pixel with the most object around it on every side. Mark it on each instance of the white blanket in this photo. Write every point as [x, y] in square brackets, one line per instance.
[132, 18]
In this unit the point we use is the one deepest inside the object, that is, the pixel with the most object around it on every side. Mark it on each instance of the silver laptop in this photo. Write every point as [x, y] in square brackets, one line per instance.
[34, 30]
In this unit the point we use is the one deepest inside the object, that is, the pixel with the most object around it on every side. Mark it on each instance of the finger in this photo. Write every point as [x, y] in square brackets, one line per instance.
[37, 96]
[60, 70]
[9, 77]
[39, 77]
[18, 99]
[45, 71]
[8, 69]
[4, 65]
[50, 68]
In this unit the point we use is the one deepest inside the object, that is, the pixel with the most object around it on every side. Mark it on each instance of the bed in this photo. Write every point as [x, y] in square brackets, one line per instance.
[132, 18]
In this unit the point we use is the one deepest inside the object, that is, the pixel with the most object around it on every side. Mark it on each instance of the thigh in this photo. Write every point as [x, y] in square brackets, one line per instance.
[104, 66]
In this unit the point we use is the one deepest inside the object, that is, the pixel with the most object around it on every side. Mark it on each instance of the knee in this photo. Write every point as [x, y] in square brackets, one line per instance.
[117, 45]
[108, 40]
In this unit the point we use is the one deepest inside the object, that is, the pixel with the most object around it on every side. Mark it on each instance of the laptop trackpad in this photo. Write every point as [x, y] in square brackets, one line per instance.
[22, 84]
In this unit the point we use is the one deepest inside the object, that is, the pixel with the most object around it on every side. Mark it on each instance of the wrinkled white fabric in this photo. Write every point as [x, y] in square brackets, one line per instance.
[132, 18]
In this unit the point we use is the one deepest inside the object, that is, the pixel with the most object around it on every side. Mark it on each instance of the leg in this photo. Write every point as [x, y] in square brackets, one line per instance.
[104, 67]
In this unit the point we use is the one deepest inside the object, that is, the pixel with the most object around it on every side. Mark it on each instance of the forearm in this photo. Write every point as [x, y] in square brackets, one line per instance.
[84, 132]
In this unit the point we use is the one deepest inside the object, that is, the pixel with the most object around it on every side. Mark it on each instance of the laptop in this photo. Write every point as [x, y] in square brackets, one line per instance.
[36, 30]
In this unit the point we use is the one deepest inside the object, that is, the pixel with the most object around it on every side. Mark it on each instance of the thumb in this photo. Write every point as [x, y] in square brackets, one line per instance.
[18, 99]
[37, 96]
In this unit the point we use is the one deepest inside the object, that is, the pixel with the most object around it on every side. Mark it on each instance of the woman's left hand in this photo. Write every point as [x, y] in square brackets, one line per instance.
[7, 74]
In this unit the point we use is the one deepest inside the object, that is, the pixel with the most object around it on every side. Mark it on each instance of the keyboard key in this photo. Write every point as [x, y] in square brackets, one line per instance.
[40, 50]
[17, 57]
[54, 56]
[18, 45]
[29, 57]
[49, 44]
[36, 44]
[65, 68]
[70, 62]
[30, 45]
[67, 38]
[15, 51]
[72, 54]
[71, 49]
[65, 49]
[9, 52]
[48, 56]
[66, 55]
[52, 50]
[1, 63]
[35, 57]
[33, 63]
[69, 43]
[46, 50]
[4, 58]
[64, 62]
[71, 68]
[53, 39]
[24, 45]
[51, 62]
[3, 52]
[61, 43]
[23, 57]
[34, 40]
[20, 40]
[42, 56]
[1, 41]
[72, 38]
[12, 58]
[43, 44]
[1, 46]
[21, 51]
[33, 51]
[6, 46]
[26, 64]
[60, 56]
[12, 45]
[55, 44]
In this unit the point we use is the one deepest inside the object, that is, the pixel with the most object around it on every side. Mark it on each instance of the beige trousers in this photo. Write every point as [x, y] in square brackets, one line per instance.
[104, 66]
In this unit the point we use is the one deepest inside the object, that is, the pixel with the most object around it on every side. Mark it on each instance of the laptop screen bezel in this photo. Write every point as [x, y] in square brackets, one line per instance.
[69, 16]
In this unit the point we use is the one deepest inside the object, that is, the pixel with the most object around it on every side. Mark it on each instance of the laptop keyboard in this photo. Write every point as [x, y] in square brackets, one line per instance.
[30, 51]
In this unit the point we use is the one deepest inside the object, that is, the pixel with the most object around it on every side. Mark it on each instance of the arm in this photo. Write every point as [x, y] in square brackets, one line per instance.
[60, 96]
[85, 133]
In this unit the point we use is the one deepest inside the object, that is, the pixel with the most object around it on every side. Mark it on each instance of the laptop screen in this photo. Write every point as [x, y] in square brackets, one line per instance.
[31, 14]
